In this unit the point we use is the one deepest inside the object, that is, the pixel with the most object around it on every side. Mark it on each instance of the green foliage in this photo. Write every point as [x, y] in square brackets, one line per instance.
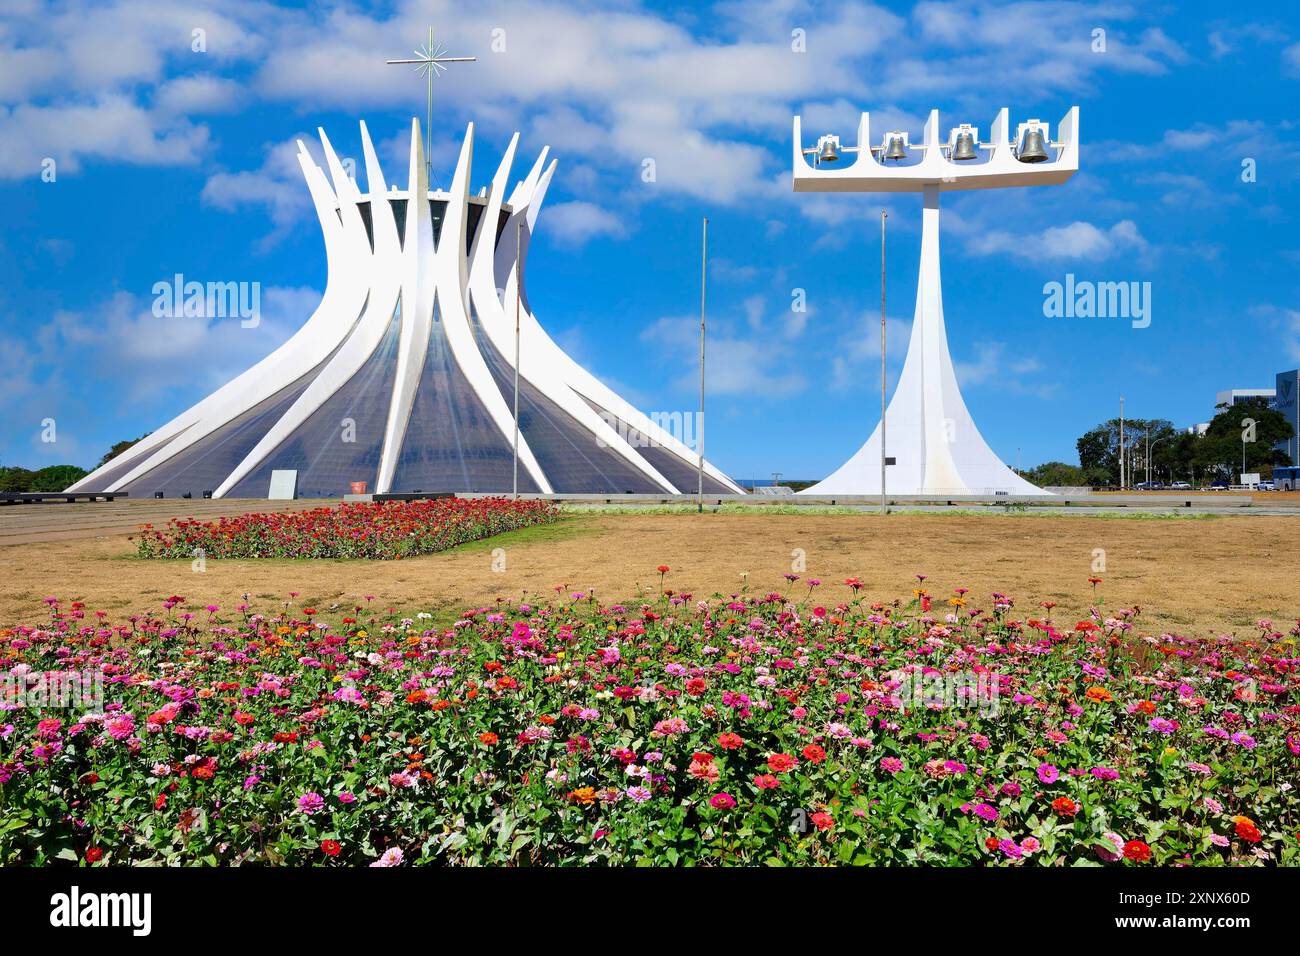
[49, 478]
[13, 478]
[1179, 456]
[120, 447]
[1056, 474]
[57, 477]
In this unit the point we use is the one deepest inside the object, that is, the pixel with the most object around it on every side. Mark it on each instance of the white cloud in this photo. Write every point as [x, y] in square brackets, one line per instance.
[574, 224]
[994, 365]
[112, 128]
[856, 356]
[188, 356]
[1076, 241]
[276, 186]
[1291, 59]
[756, 365]
[188, 95]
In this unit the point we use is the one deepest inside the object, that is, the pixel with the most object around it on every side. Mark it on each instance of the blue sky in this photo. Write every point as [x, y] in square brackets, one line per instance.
[172, 161]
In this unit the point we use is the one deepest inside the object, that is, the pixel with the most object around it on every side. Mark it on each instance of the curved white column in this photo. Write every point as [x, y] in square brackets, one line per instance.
[338, 311]
[496, 317]
[377, 278]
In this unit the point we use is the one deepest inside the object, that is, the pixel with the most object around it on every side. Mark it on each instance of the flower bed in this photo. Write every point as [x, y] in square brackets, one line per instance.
[741, 731]
[386, 530]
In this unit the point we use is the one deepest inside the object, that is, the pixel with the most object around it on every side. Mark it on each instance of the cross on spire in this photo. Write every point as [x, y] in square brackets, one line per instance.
[431, 58]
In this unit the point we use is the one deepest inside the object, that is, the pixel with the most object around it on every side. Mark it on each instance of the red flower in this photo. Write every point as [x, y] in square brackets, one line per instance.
[823, 820]
[1247, 831]
[663, 569]
[813, 753]
[488, 738]
[330, 847]
[765, 781]
[730, 741]
[1065, 807]
[696, 686]
[990, 843]
[781, 763]
[94, 855]
[1137, 851]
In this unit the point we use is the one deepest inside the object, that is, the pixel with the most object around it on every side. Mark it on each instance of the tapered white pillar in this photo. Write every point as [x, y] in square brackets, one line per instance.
[932, 438]
[933, 442]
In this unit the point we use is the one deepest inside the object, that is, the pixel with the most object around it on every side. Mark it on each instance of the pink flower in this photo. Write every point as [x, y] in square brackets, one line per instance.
[310, 802]
[1048, 773]
[722, 801]
[392, 857]
[120, 727]
[1162, 726]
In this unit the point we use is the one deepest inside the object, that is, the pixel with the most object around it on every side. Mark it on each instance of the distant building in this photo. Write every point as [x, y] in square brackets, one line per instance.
[1285, 401]
[1234, 396]
[1199, 429]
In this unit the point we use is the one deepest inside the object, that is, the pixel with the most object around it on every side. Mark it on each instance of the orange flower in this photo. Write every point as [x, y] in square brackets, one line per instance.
[1099, 695]
[488, 738]
[1247, 830]
[1065, 807]
[584, 796]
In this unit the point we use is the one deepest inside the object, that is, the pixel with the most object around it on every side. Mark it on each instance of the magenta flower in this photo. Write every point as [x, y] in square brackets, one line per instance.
[310, 802]
[1048, 773]
[722, 801]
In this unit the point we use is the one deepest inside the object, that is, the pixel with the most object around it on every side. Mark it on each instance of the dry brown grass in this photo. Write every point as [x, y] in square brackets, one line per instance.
[1204, 575]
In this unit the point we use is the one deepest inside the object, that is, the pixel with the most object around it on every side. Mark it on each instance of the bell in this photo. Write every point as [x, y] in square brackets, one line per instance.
[963, 147]
[1031, 147]
[829, 153]
[896, 149]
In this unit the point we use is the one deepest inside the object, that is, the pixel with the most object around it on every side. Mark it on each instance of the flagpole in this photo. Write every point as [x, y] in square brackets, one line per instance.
[699, 425]
[519, 255]
[883, 506]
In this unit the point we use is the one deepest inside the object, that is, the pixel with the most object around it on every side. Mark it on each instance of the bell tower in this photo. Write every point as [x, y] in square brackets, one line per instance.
[932, 439]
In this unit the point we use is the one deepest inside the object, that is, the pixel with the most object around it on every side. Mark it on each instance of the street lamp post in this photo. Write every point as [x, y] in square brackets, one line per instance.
[1121, 443]
[884, 507]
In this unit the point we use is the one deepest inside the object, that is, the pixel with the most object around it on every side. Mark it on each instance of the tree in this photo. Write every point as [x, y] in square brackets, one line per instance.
[1231, 434]
[56, 477]
[1056, 474]
[13, 478]
[119, 448]
[1099, 447]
